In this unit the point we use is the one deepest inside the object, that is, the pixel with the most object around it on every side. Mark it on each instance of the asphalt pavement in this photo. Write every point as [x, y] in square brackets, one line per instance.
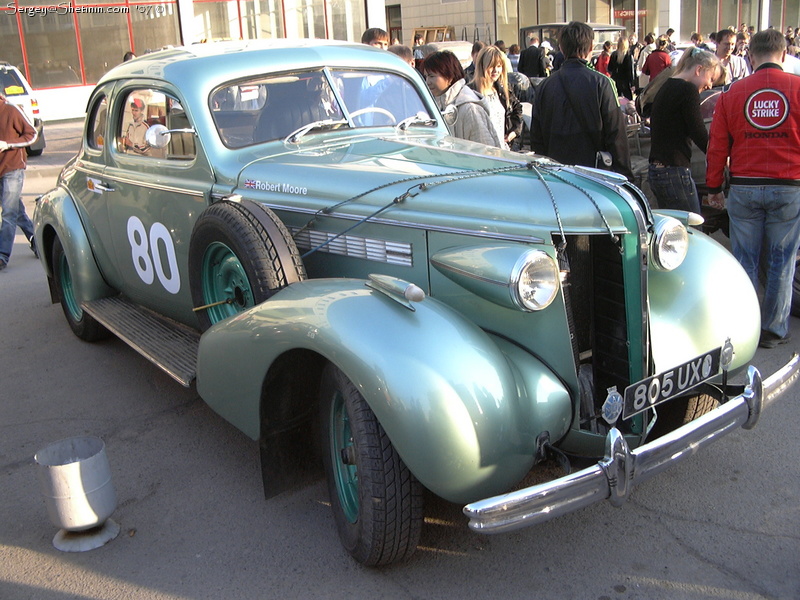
[725, 524]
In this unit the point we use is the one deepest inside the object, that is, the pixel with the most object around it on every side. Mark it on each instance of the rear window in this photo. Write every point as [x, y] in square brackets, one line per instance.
[10, 83]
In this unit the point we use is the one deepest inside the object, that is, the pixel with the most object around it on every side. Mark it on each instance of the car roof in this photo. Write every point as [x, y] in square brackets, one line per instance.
[203, 66]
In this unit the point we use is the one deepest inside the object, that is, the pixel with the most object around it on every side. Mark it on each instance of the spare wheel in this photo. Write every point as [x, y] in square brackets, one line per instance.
[240, 254]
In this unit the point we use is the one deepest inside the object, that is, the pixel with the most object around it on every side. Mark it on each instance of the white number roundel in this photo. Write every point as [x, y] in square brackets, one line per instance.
[143, 246]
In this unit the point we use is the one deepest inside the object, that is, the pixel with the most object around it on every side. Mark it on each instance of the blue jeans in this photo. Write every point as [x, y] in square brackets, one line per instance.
[13, 211]
[767, 217]
[674, 188]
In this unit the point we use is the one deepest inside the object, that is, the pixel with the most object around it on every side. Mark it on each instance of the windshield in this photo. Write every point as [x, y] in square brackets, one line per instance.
[269, 108]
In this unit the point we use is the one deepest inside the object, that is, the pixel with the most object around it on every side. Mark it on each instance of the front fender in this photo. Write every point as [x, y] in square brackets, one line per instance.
[462, 414]
[706, 300]
[57, 216]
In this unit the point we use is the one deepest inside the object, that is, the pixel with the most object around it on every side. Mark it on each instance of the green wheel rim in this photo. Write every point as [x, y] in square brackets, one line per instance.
[224, 279]
[346, 475]
[68, 290]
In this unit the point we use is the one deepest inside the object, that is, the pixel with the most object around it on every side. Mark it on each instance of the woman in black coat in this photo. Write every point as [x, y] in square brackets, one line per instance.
[622, 70]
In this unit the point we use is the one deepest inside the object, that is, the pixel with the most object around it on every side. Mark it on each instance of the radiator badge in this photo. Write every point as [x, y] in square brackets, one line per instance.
[612, 407]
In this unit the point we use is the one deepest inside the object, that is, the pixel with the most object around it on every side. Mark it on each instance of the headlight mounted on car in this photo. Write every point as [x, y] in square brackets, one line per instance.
[535, 280]
[510, 275]
[669, 244]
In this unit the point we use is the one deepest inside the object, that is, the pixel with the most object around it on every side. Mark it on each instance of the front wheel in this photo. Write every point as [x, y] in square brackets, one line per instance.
[82, 324]
[377, 502]
[680, 411]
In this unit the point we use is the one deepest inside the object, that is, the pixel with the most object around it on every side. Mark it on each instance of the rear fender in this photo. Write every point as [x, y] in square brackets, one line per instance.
[56, 216]
[462, 409]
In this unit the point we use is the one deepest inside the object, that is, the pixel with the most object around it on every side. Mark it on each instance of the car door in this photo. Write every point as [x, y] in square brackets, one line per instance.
[86, 183]
[154, 198]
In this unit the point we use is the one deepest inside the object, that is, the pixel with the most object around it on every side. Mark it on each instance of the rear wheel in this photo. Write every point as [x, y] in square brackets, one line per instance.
[377, 502]
[82, 324]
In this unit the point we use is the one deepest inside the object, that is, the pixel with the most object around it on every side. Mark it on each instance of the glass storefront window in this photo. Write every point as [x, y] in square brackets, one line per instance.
[776, 16]
[154, 26]
[215, 21]
[708, 17]
[507, 24]
[52, 50]
[729, 13]
[261, 19]
[106, 31]
[688, 20]
[9, 33]
[347, 20]
[305, 18]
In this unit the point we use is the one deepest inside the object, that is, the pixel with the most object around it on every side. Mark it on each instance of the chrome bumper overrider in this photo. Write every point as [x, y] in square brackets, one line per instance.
[615, 476]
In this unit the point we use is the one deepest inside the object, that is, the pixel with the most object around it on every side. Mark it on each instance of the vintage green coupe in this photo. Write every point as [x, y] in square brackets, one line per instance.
[291, 226]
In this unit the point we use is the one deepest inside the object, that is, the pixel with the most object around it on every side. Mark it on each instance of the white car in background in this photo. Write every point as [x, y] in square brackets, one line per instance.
[18, 91]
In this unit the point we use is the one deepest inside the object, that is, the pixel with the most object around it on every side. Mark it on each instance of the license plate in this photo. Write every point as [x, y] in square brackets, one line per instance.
[660, 388]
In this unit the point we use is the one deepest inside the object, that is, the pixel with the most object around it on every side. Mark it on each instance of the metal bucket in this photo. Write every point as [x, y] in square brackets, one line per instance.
[76, 482]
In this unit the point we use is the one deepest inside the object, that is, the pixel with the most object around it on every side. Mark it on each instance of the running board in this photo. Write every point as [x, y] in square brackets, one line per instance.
[170, 345]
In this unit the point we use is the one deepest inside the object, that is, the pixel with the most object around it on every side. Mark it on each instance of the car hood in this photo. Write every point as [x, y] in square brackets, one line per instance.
[438, 181]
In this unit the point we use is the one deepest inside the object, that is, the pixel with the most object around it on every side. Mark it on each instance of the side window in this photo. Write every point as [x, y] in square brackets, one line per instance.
[144, 108]
[97, 124]
[181, 143]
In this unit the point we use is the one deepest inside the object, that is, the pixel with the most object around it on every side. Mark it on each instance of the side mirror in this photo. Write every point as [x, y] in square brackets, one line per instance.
[157, 136]
[450, 114]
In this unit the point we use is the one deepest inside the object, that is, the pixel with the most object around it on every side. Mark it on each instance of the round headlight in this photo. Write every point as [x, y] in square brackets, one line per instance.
[670, 244]
[535, 280]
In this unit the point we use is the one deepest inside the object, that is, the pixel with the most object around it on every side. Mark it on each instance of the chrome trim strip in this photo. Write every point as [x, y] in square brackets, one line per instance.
[447, 267]
[385, 251]
[528, 239]
[155, 186]
[615, 476]
[87, 171]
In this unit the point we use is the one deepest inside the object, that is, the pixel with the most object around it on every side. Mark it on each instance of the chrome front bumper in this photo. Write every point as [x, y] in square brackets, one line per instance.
[615, 476]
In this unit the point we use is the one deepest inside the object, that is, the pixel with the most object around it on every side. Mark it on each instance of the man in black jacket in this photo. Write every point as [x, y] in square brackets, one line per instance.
[532, 61]
[576, 114]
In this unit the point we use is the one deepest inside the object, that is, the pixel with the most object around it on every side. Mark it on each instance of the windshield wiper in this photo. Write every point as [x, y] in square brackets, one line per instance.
[293, 137]
[418, 119]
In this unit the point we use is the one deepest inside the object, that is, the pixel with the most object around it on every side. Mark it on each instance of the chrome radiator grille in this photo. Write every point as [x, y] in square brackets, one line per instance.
[598, 319]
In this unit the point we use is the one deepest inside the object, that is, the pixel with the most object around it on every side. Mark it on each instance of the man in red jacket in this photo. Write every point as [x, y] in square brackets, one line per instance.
[15, 134]
[757, 124]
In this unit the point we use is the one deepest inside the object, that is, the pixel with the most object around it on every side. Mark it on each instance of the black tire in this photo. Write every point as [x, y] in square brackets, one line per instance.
[82, 324]
[240, 254]
[34, 152]
[377, 502]
[680, 411]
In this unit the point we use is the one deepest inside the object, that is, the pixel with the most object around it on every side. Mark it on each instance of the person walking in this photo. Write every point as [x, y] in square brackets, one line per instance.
[532, 60]
[676, 121]
[657, 60]
[16, 133]
[576, 114]
[621, 69]
[601, 63]
[756, 126]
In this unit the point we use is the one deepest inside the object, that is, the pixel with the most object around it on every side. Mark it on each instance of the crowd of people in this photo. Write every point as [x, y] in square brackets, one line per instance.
[577, 119]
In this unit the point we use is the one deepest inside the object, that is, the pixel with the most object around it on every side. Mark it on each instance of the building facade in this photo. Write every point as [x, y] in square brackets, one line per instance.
[64, 46]
[491, 20]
